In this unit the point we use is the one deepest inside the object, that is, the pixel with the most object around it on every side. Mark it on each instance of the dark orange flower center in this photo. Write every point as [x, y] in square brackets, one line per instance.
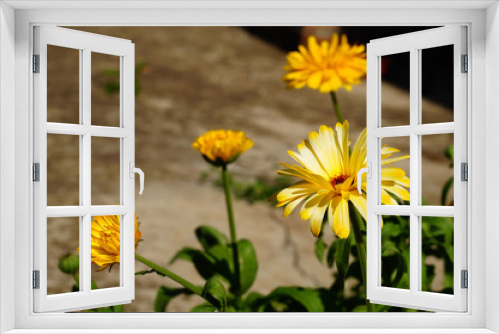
[338, 180]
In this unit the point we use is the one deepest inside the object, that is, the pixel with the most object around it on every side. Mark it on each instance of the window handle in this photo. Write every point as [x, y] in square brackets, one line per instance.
[368, 171]
[141, 175]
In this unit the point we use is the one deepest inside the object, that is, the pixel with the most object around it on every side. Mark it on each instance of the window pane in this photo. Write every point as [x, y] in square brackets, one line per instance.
[105, 171]
[106, 252]
[63, 241]
[63, 170]
[395, 170]
[437, 254]
[437, 84]
[105, 90]
[395, 89]
[395, 262]
[437, 169]
[63, 85]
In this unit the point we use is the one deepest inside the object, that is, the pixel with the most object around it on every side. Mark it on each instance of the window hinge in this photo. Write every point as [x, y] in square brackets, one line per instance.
[465, 64]
[464, 279]
[464, 171]
[36, 279]
[36, 63]
[36, 172]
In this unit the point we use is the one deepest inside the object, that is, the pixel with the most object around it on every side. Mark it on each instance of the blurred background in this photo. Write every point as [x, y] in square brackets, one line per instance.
[193, 79]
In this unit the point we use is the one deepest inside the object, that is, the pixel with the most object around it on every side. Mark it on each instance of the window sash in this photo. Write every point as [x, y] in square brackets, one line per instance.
[86, 43]
[413, 43]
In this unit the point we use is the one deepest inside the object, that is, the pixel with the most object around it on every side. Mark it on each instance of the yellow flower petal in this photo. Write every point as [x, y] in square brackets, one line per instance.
[359, 202]
[298, 189]
[105, 240]
[326, 66]
[397, 190]
[314, 80]
[310, 205]
[393, 160]
[339, 217]
[318, 214]
[329, 179]
[222, 146]
[292, 205]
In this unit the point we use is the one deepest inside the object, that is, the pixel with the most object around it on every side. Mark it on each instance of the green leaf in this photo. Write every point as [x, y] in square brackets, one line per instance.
[215, 293]
[449, 152]
[205, 307]
[248, 264]
[204, 264]
[319, 249]
[221, 261]
[210, 236]
[446, 190]
[307, 298]
[117, 308]
[342, 257]
[252, 299]
[389, 249]
[330, 256]
[108, 309]
[450, 252]
[391, 230]
[187, 254]
[360, 308]
[165, 296]
[76, 286]
[428, 275]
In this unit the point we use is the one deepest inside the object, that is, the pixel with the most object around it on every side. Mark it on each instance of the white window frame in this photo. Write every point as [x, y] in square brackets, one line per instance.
[16, 21]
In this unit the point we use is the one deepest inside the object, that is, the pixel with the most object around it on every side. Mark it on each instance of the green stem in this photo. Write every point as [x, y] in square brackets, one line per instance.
[188, 285]
[336, 107]
[356, 222]
[232, 228]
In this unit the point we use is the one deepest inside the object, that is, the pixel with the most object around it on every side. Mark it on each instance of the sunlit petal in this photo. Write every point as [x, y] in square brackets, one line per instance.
[105, 240]
[328, 173]
[326, 66]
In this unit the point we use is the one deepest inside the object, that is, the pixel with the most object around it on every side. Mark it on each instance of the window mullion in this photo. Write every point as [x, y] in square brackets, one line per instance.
[85, 161]
[415, 171]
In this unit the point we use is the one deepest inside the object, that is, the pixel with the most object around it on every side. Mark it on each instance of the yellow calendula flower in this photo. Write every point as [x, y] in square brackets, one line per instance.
[329, 179]
[221, 147]
[105, 240]
[327, 66]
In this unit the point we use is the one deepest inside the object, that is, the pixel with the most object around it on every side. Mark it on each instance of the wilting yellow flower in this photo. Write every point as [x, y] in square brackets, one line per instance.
[329, 179]
[221, 147]
[327, 66]
[105, 240]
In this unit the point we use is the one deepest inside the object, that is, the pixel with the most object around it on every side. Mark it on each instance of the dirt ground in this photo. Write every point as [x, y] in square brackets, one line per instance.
[198, 79]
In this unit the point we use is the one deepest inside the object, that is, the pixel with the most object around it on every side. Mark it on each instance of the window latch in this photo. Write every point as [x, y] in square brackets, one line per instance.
[141, 175]
[368, 171]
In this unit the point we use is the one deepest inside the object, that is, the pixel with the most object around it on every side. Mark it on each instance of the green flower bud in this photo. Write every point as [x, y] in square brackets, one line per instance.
[69, 264]
[449, 152]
